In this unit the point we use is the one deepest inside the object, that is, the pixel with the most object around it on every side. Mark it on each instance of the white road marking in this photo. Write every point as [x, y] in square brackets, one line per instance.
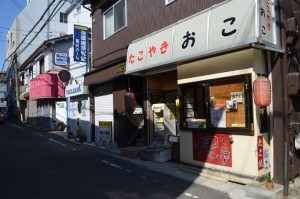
[112, 164]
[51, 139]
[188, 194]
[17, 126]
[191, 195]
[39, 134]
[57, 142]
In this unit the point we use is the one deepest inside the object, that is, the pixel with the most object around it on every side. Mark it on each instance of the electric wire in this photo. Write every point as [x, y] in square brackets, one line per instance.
[53, 13]
[43, 26]
[31, 31]
[44, 13]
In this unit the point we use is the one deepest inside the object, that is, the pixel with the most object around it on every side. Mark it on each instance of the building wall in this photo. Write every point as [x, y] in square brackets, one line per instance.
[30, 15]
[139, 24]
[3, 89]
[13, 38]
[79, 18]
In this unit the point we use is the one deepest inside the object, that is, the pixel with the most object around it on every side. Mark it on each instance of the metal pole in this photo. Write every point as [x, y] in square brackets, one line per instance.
[68, 116]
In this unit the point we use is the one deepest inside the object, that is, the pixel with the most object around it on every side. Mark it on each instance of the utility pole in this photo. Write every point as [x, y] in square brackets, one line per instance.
[15, 64]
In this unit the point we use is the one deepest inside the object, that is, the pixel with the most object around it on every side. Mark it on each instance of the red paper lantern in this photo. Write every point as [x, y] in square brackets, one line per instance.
[130, 102]
[262, 91]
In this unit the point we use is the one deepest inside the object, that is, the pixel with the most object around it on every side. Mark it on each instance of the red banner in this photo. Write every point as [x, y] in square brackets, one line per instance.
[214, 148]
[260, 152]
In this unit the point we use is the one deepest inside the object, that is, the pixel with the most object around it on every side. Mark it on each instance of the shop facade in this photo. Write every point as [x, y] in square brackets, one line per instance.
[112, 126]
[219, 125]
[79, 108]
[46, 90]
[205, 57]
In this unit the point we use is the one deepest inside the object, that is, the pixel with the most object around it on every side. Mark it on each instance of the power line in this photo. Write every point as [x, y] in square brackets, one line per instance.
[23, 12]
[29, 33]
[53, 13]
[34, 26]
[14, 29]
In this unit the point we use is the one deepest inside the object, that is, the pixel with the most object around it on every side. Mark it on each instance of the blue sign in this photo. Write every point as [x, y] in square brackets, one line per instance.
[61, 59]
[80, 43]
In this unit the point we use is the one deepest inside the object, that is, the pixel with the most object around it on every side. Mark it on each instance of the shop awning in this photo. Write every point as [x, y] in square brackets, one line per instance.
[226, 26]
[46, 85]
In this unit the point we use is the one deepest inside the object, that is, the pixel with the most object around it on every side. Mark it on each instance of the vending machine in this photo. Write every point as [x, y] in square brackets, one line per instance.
[164, 123]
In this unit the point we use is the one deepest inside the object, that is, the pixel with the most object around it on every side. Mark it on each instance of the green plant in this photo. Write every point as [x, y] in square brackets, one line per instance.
[61, 123]
[268, 178]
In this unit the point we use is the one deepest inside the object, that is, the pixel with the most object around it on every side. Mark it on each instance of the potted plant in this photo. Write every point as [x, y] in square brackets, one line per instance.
[269, 181]
[61, 126]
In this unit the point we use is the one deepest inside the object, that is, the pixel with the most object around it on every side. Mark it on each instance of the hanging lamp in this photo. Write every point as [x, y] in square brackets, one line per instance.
[262, 91]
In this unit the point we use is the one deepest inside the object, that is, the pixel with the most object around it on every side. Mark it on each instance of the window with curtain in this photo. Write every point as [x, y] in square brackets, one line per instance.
[218, 105]
[115, 18]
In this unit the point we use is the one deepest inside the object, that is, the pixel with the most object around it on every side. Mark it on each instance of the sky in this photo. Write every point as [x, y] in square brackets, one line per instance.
[9, 10]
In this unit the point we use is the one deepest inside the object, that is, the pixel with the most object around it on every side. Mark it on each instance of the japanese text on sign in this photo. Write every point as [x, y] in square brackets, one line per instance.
[260, 152]
[212, 148]
[80, 43]
[223, 26]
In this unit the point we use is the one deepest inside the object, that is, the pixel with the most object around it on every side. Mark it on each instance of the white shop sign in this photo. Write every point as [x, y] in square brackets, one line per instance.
[224, 26]
[75, 89]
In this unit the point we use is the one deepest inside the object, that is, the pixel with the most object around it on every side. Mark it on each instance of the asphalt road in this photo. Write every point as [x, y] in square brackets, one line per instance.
[39, 165]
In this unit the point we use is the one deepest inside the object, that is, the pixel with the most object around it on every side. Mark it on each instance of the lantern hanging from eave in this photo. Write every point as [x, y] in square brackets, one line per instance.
[262, 91]
[130, 102]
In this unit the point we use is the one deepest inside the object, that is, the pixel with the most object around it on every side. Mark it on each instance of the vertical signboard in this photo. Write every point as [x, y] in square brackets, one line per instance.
[268, 22]
[105, 131]
[212, 148]
[80, 43]
[260, 152]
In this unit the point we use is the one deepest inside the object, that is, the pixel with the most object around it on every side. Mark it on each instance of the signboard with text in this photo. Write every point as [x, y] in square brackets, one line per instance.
[213, 148]
[227, 25]
[105, 131]
[260, 152]
[61, 59]
[80, 43]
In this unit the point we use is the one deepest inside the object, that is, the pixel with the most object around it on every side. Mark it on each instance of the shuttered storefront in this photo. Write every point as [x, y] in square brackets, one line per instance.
[104, 108]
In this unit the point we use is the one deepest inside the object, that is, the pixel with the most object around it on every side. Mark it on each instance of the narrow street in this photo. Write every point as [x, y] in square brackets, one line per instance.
[37, 164]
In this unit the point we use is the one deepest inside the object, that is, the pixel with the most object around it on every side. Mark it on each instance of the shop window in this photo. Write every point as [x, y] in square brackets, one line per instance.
[115, 18]
[217, 105]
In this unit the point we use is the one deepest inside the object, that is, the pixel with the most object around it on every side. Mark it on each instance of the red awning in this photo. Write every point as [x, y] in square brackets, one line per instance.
[46, 85]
